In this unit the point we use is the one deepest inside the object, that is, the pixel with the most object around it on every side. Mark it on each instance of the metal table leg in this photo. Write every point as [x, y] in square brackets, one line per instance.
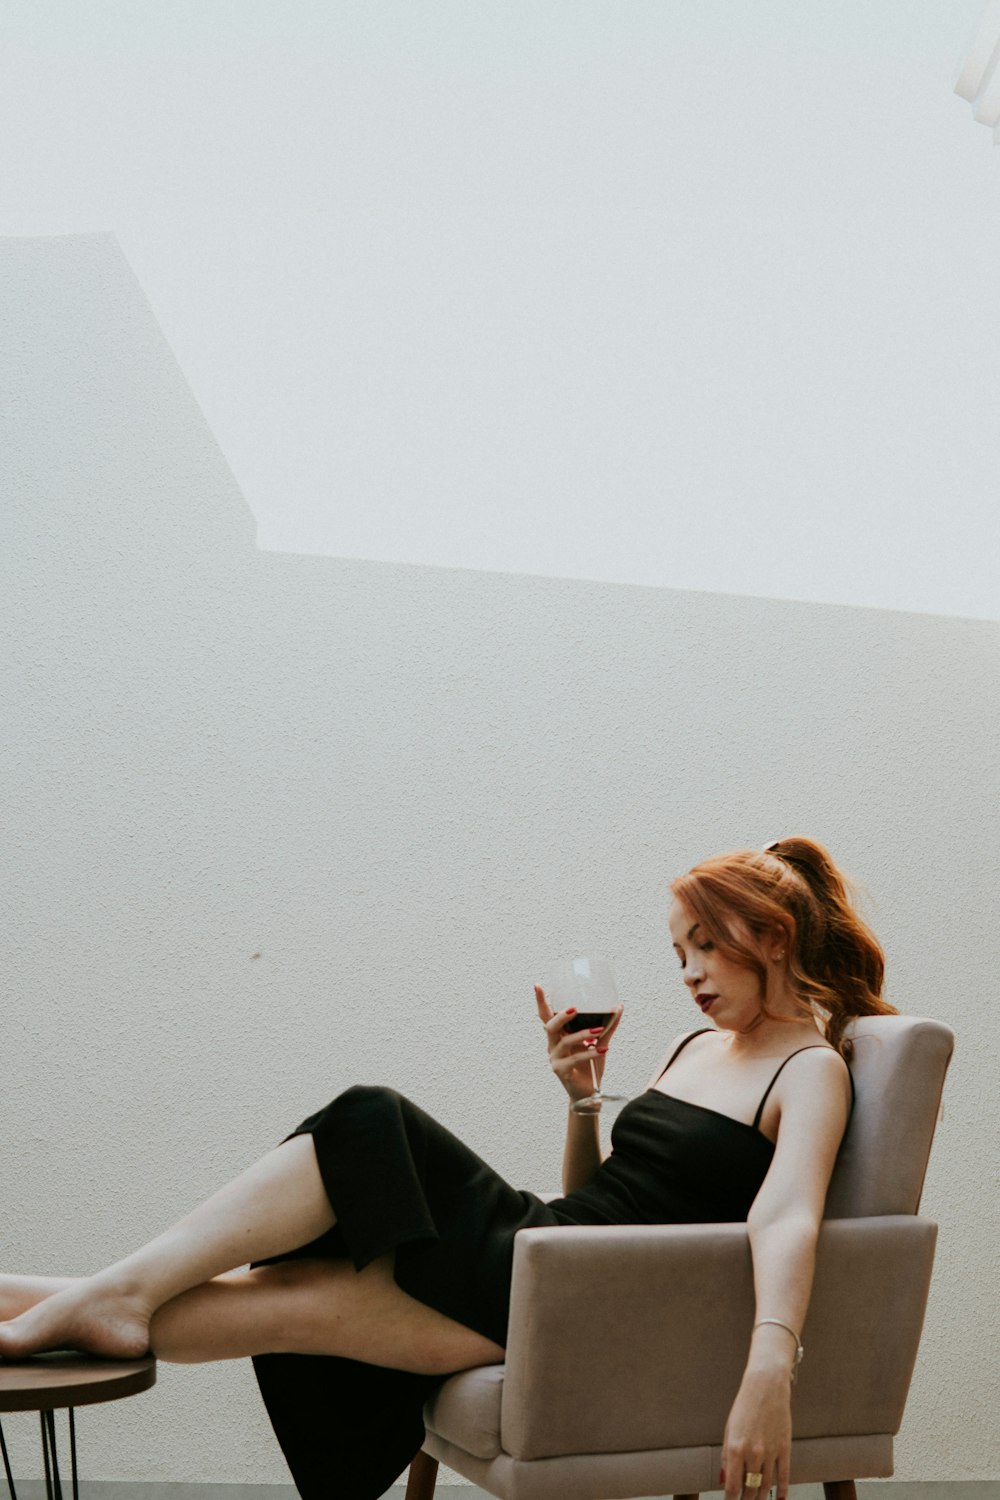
[50, 1457]
[6, 1464]
[72, 1454]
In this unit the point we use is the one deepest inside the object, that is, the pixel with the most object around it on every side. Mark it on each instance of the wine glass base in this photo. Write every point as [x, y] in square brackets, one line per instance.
[591, 1106]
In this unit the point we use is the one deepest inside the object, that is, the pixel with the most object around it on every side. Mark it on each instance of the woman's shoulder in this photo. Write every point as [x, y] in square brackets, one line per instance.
[679, 1042]
[815, 1054]
[810, 1073]
[810, 1061]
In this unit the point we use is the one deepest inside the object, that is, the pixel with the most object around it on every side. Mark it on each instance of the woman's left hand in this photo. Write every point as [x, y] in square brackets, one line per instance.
[758, 1438]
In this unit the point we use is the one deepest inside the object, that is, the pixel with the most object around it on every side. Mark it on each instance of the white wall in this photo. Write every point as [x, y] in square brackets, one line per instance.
[528, 286]
[274, 824]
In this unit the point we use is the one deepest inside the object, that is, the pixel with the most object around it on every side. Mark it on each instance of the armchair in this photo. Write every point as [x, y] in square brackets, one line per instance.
[632, 1401]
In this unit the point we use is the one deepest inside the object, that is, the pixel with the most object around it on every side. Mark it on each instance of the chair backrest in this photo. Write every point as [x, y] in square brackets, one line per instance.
[899, 1065]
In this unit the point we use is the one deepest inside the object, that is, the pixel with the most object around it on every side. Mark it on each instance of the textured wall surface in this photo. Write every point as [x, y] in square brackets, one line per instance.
[276, 824]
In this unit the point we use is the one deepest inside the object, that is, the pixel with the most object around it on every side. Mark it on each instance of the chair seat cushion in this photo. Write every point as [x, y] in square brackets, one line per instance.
[465, 1410]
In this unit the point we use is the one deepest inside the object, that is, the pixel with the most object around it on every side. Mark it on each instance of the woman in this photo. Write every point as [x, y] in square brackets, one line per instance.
[381, 1247]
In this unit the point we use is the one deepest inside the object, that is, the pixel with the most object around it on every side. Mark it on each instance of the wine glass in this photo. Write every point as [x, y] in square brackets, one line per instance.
[589, 985]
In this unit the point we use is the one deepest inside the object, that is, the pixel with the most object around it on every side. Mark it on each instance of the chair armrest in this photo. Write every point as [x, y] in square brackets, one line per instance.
[627, 1337]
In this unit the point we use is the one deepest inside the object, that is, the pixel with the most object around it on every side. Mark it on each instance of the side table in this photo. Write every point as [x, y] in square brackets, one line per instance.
[65, 1379]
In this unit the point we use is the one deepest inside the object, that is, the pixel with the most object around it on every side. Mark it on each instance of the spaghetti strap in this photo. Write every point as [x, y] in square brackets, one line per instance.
[689, 1038]
[760, 1108]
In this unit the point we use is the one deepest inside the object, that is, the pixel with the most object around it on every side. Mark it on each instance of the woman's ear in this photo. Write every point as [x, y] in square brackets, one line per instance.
[780, 940]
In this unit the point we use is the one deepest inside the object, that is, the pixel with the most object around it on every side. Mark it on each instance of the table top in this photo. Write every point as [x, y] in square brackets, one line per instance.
[66, 1378]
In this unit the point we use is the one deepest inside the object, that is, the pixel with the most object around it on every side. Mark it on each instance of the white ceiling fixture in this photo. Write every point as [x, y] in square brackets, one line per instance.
[979, 78]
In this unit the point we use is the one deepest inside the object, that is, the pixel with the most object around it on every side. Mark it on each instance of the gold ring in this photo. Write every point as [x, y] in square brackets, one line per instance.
[753, 1481]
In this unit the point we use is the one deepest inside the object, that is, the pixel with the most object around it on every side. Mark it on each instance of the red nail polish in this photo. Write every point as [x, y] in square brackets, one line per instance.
[571, 1010]
[722, 1476]
[602, 1049]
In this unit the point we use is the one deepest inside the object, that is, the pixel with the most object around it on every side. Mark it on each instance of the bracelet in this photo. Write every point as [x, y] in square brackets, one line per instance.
[799, 1351]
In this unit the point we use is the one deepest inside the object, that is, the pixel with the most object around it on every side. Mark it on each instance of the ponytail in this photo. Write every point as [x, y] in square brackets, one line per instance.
[838, 963]
[835, 962]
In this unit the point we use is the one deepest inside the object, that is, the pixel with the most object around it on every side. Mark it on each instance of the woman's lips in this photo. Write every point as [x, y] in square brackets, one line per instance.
[705, 1000]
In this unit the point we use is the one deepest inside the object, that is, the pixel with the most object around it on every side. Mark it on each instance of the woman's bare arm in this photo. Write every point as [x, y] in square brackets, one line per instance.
[582, 1154]
[783, 1226]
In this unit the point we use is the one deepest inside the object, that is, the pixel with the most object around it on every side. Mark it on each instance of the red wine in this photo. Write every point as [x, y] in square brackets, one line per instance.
[584, 1019]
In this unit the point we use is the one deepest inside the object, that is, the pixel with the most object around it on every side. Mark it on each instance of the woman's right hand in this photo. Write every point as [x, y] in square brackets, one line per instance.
[570, 1052]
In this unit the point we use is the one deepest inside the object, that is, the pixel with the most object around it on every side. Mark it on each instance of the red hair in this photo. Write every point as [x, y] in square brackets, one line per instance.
[835, 962]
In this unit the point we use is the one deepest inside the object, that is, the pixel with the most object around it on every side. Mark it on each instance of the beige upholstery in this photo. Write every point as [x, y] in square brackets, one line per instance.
[898, 1068]
[632, 1399]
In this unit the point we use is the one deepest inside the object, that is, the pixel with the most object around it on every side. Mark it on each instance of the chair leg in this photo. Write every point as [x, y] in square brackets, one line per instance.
[840, 1489]
[423, 1477]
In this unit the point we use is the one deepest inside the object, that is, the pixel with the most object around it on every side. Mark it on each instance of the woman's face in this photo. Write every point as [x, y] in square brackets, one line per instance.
[727, 992]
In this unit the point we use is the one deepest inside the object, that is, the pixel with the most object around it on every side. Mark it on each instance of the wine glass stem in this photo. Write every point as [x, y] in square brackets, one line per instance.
[593, 1074]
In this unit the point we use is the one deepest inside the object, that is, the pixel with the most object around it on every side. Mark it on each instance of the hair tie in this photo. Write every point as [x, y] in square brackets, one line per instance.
[785, 855]
[794, 863]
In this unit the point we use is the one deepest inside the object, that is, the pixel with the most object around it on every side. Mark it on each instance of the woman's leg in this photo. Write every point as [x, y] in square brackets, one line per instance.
[315, 1307]
[294, 1307]
[277, 1205]
[18, 1293]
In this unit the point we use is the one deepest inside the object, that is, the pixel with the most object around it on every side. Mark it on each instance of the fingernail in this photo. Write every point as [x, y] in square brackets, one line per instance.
[571, 1010]
[602, 1049]
[722, 1476]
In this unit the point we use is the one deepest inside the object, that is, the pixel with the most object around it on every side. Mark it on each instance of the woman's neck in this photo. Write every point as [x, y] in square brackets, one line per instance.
[762, 1034]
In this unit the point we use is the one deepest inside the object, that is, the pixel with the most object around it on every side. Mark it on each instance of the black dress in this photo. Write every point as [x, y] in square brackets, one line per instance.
[398, 1181]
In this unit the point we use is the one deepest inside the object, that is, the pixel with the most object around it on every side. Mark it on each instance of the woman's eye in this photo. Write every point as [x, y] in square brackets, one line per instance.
[707, 947]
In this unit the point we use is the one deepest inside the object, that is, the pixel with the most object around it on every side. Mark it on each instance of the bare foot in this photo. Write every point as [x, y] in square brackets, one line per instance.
[18, 1293]
[87, 1314]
